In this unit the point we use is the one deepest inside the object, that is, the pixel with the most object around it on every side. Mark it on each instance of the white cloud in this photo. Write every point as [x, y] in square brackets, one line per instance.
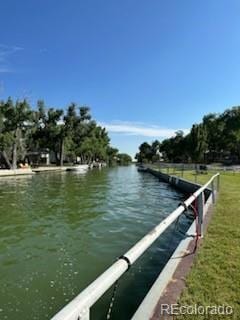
[5, 52]
[139, 129]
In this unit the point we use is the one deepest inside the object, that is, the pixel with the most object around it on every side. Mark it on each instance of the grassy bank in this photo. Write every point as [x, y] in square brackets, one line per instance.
[215, 276]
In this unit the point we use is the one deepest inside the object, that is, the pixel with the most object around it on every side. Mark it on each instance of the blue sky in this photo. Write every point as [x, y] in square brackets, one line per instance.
[146, 68]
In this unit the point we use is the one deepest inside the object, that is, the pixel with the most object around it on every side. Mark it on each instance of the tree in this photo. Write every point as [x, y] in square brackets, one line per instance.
[174, 148]
[197, 142]
[5, 139]
[145, 152]
[214, 129]
[47, 131]
[67, 128]
[124, 159]
[111, 155]
[17, 120]
[156, 145]
[69, 134]
[231, 131]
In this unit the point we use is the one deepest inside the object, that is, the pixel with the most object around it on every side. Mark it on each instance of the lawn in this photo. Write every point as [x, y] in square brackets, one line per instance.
[215, 276]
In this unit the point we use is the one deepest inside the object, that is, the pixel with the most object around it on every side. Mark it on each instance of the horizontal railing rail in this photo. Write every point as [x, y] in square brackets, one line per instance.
[195, 167]
[79, 307]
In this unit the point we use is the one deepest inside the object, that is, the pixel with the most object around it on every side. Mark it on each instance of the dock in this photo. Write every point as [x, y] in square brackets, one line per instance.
[48, 169]
[16, 172]
[29, 171]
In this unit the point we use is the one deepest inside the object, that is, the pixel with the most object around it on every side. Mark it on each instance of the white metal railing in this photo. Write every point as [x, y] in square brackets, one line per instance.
[79, 307]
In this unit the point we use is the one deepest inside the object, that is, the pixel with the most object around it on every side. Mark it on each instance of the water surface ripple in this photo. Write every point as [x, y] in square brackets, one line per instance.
[59, 231]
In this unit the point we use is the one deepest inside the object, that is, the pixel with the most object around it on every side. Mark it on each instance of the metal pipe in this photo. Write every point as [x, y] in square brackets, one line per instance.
[200, 213]
[79, 307]
[218, 182]
[213, 191]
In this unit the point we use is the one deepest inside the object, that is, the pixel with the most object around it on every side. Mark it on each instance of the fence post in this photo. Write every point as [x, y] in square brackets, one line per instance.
[218, 182]
[200, 205]
[85, 316]
[213, 191]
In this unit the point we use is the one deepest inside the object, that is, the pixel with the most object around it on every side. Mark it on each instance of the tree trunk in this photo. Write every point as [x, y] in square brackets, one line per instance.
[6, 160]
[14, 149]
[62, 153]
[56, 158]
[14, 156]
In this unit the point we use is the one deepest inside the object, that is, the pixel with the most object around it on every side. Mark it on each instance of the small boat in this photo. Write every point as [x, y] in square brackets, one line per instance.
[79, 168]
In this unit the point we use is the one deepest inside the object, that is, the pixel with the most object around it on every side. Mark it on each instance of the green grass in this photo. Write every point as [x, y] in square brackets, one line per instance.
[215, 276]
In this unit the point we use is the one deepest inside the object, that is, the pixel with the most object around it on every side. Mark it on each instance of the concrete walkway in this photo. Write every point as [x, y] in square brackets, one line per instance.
[17, 172]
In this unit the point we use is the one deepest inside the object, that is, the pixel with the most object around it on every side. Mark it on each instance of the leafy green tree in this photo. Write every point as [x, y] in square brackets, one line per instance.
[145, 152]
[231, 131]
[111, 155]
[214, 126]
[67, 129]
[156, 145]
[174, 148]
[124, 159]
[47, 131]
[5, 139]
[17, 120]
[197, 142]
[69, 135]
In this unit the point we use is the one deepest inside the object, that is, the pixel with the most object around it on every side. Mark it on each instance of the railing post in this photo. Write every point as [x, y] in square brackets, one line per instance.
[79, 307]
[213, 191]
[218, 182]
[85, 315]
[200, 203]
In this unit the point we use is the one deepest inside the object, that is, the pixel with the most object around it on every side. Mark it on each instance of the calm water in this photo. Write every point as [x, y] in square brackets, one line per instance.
[59, 231]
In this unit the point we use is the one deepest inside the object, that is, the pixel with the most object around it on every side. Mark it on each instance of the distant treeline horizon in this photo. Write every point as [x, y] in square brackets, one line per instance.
[70, 134]
[215, 139]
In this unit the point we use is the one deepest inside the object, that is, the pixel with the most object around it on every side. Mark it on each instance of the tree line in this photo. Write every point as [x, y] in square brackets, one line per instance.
[71, 134]
[216, 138]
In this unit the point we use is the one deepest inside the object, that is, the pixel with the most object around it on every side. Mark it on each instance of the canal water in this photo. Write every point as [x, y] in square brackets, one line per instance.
[59, 231]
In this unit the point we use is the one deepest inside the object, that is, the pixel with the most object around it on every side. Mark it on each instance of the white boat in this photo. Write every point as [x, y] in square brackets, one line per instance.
[79, 168]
